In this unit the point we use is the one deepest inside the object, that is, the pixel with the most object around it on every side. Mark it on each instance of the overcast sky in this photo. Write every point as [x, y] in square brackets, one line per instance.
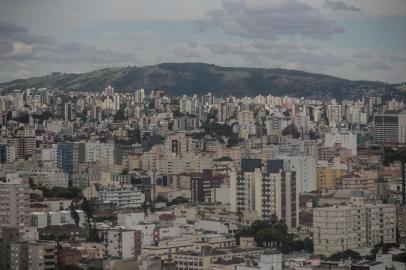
[354, 39]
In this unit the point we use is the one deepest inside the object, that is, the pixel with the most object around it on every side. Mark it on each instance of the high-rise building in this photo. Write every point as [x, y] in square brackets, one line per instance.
[124, 244]
[68, 112]
[344, 138]
[139, 96]
[33, 255]
[109, 90]
[334, 114]
[14, 202]
[109, 153]
[265, 192]
[305, 168]
[70, 156]
[358, 225]
[3, 153]
[125, 196]
[22, 146]
[390, 128]
[201, 185]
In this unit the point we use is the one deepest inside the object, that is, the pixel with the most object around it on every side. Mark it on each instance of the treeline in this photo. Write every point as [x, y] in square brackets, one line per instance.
[274, 233]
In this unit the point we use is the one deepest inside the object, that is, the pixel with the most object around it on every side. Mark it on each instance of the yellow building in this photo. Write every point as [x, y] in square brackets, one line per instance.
[327, 177]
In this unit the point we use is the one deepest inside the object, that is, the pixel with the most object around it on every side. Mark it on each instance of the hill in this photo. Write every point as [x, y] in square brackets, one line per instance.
[199, 78]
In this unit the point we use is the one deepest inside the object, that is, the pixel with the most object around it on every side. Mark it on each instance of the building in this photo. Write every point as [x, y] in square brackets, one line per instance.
[3, 153]
[265, 192]
[203, 260]
[14, 202]
[327, 175]
[305, 168]
[390, 128]
[353, 226]
[68, 112]
[344, 138]
[38, 255]
[364, 180]
[245, 187]
[70, 156]
[23, 146]
[47, 177]
[125, 196]
[124, 244]
[334, 114]
[267, 261]
[109, 153]
[201, 185]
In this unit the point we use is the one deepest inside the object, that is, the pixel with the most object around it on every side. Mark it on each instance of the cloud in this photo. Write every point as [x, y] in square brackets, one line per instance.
[281, 53]
[187, 50]
[362, 54]
[271, 54]
[374, 65]
[269, 20]
[338, 5]
[23, 54]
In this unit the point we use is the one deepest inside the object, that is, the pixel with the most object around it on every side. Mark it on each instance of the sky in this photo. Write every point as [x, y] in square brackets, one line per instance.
[353, 39]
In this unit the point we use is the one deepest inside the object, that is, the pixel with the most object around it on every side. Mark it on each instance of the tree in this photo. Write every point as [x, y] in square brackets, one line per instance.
[93, 234]
[161, 198]
[70, 192]
[120, 116]
[274, 233]
[74, 215]
[179, 200]
[68, 267]
[291, 130]
[86, 207]
[347, 254]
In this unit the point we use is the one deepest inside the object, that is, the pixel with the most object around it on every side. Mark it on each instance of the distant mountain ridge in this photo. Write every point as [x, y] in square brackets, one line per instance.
[200, 78]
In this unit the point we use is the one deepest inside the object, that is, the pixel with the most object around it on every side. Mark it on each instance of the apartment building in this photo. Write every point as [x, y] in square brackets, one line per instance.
[204, 259]
[344, 138]
[389, 128]
[124, 244]
[125, 196]
[14, 202]
[363, 180]
[329, 173]
[38, 255]
[23, 146]
[265, 192]
[353, 226]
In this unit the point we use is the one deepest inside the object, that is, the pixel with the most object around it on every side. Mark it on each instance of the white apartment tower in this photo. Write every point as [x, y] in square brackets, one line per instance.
[14, 202]
[353, 226]
[265, 193]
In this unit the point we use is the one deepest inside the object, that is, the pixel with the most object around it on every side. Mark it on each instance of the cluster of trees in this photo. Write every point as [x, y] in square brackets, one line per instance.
[344, 255]
[291, 130]
[274, 233]
[384, 247]
[176, 201]
[354, 255]
[219, 131]
[177, 113]
[93, 235]
[215, 129]
[56, 192]
[75, 267]
[53, 237]
[120, 115]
